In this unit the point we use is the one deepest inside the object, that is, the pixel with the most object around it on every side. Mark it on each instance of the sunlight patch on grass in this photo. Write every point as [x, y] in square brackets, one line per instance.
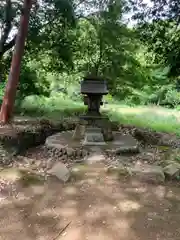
[144, 109]
[155, 118]
[54, 108]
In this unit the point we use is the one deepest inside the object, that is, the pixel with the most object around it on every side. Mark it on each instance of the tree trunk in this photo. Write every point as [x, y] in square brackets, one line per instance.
[11, 87]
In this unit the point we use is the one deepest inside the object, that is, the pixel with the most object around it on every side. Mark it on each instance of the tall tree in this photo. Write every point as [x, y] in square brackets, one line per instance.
[44, 13]
[105, 46]
[48, 18]
[7, 21]
[50, 14]
[10, 92]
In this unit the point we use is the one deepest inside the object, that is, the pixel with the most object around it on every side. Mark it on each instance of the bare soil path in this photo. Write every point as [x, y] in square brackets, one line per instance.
[98, 206]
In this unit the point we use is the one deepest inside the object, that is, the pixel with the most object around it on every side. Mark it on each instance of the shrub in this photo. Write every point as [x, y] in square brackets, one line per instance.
[30, 83]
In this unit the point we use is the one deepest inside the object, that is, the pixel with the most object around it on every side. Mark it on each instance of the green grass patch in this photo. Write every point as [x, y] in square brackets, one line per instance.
[152, 117]
[57, 107]
[53, 108]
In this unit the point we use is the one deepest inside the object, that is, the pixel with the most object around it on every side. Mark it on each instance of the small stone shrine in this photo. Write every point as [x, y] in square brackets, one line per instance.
[93, 128]
[97, 128]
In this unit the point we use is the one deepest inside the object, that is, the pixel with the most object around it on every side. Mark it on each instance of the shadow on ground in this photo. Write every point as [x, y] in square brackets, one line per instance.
[96, 207]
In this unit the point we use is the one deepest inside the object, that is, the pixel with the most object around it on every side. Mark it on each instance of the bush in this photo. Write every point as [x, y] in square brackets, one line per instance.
[54, 106]
[166, 96]
[31, 84]
[172, 98]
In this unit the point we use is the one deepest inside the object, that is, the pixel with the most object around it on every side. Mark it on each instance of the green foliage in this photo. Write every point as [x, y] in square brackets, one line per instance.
[53, 107]
[161, 95]
[68, 39]
[29, 83]
[2, 88]
[49, 28]
[152, 117]
[156, 118]
[49, 24]
[159, 29]
[158, 9]
[163, 38]
[105, 46]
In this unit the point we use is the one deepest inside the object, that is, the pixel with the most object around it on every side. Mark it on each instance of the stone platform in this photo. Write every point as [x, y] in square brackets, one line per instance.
[120, 144]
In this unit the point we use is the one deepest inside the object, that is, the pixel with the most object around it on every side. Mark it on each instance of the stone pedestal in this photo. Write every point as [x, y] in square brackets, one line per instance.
[97, 121]
[79, 132]
[93, 129]
[120, 144]
[93, 136]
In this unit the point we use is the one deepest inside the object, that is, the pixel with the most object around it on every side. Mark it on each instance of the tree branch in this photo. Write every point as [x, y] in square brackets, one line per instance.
[79, 3]
[8, 25]
[10, 44]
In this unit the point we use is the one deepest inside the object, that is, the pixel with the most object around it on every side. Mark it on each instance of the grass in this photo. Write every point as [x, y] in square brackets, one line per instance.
[152, 117]
[52, 108]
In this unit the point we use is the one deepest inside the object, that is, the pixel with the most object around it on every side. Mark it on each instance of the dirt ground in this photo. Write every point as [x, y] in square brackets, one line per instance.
[99, 206]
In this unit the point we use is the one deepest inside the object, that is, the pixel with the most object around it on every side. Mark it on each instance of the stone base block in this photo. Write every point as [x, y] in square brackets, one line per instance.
[120, 144]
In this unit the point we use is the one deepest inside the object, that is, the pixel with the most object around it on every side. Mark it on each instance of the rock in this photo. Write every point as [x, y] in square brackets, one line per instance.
[95, 157]
[112, 169]
[78, 154]
[60, 171]
[79, 132]
[49, 163]
[123, 150]
[148, 173]
[79, 160]
[147, 136]
[33, 167]
[38, 163]
[28, 160]
[110, 152]
[63, 150]
[107, 133]
[84, 153]
[127, 149]
[44, 165]
[172, 170]
[70, 152]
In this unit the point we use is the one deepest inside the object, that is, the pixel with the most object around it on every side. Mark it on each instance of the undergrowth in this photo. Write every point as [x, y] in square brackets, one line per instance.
[57, 107]
[53, 107]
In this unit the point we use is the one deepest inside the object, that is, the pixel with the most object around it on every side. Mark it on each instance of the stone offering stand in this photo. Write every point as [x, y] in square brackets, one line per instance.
[92, 129]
